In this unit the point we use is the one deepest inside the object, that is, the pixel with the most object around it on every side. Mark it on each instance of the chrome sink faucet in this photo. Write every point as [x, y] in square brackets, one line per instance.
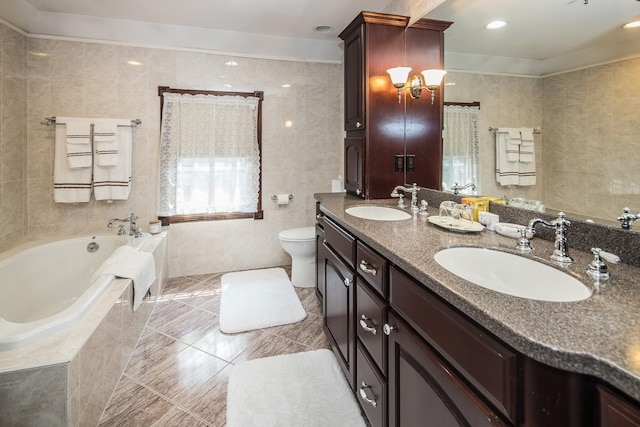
[561, 249]
[627, 218]
[457, 187]
[414, 196]
[133, 226]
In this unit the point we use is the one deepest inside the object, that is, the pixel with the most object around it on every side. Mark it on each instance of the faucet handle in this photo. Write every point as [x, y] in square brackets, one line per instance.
[597, 267]
[523, 243]
[627, 218]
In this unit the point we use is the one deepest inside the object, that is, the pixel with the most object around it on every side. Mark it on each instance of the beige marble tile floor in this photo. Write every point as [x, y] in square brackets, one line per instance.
[177, 375]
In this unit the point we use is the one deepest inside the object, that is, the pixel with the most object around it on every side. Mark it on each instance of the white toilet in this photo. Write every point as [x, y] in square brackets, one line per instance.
[300, 243]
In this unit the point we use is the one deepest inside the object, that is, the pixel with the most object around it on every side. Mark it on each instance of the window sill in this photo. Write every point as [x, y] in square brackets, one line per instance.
[175, 219]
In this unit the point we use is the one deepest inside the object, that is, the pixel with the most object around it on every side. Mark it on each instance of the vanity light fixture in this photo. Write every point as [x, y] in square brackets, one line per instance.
[401, 81]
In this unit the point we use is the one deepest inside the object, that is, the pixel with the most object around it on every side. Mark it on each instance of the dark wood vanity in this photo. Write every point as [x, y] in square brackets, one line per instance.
[414, 359]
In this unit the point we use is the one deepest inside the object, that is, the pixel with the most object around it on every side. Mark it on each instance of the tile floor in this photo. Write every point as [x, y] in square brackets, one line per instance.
[177, 375]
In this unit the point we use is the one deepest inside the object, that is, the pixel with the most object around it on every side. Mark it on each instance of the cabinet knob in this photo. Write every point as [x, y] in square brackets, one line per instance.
[358, 192]
[364, 324]
[358, 124]
[319, 216]
[364, 266]
[363, 395]
[347, 282]
[388, 328]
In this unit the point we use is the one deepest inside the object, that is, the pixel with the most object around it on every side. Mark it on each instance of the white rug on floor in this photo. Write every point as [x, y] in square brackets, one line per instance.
[257, 299]
[302, 389]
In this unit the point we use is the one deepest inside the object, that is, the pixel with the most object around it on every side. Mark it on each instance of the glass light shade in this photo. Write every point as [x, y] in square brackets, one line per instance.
[433, 78]
[399, 75]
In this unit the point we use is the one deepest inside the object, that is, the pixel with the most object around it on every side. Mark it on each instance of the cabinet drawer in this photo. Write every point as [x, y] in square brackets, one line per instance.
[372, 267]
[370, 316]
[371, 390]
[487, 364]
[341, 241]
[616, 411]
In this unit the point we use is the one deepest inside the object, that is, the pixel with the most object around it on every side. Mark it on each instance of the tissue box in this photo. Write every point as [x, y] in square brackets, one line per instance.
[478, 204]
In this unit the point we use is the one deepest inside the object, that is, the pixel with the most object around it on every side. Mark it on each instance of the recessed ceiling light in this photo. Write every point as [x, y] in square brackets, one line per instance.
[632, 24]
[494, 25]
[134, 63]
[231, 63]
[228, 85]
[323, 29]
[39, 54]
[286, 85]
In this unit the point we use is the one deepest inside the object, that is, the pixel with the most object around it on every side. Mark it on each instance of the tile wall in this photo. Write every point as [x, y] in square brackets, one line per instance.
[13, 137]
[591, 122]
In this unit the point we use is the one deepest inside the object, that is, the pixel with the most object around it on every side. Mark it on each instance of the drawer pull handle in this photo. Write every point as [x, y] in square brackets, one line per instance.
[388, 328]
[363, 395]
[364, 266]
[365, 325]
[347, 282]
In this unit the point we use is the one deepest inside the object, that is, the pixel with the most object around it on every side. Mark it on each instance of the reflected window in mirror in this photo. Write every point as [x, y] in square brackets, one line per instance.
[460, 153]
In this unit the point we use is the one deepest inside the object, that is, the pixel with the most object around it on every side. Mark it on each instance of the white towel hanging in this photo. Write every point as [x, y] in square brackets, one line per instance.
[70, 185]
[114, 182]
[77, 134]
[506, 171]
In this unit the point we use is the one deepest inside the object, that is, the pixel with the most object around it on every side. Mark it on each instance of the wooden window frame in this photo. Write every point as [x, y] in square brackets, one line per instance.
[259, 213]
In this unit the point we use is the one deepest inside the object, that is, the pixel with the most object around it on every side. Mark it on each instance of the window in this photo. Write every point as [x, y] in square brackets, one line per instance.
[210, 155]
[460, 154]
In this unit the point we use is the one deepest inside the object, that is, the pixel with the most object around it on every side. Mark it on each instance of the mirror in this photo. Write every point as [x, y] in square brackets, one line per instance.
[587, 153]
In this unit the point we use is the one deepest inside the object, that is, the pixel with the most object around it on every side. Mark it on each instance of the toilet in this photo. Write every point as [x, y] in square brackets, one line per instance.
[300, 244]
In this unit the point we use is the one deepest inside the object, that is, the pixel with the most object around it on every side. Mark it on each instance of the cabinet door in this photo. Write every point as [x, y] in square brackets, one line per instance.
[354, 165]
[354, 84]
[320, 281]
[338, 310]
[616, 411]
[424, 391]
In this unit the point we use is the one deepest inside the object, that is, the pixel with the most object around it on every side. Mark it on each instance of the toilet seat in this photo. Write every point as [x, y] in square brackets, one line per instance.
[304, 234]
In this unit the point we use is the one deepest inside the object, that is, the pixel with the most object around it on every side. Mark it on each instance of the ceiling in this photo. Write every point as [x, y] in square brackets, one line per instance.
[543, 36]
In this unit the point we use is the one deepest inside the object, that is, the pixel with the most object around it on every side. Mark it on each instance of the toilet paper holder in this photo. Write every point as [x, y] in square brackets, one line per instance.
[275, 197]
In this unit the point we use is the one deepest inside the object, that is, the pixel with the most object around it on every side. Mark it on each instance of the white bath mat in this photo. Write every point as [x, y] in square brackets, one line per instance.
[258, 299]
[292, 390]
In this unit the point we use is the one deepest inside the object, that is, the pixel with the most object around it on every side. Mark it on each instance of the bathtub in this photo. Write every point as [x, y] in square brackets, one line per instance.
[47, 286]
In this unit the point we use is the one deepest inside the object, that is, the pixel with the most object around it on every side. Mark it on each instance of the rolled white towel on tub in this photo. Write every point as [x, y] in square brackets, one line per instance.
[129, 263]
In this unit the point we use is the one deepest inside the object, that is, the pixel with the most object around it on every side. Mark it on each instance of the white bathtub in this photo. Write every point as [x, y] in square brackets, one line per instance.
[47, 286]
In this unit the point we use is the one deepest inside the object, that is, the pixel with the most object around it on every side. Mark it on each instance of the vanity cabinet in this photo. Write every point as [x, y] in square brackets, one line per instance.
[336, 256]
[378, 143]
[413, 359]
[616, 410]
[424, 390]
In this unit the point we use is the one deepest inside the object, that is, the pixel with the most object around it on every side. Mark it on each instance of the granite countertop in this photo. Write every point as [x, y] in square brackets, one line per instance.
[599, 336]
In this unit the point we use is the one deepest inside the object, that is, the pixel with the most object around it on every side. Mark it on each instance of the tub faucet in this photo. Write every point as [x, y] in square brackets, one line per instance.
[457, 187]
[133, 226]
[561, 249]
[414, 196]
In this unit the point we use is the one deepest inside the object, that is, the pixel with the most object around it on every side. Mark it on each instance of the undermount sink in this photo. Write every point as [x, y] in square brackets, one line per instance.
[378, 213]
[512, 274]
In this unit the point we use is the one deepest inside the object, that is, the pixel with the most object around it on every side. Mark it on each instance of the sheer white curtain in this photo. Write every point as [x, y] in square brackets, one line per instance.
[461, 158]
[209, 154]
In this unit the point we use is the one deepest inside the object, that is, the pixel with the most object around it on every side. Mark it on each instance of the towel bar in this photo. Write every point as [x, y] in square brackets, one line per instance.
[535, 131]
[52, 121]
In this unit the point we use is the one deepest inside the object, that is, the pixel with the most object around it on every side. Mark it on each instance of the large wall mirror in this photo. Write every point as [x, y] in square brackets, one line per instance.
[567, 68]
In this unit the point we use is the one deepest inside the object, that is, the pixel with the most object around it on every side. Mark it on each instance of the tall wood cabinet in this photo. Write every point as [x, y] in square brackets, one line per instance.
[382, 132]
